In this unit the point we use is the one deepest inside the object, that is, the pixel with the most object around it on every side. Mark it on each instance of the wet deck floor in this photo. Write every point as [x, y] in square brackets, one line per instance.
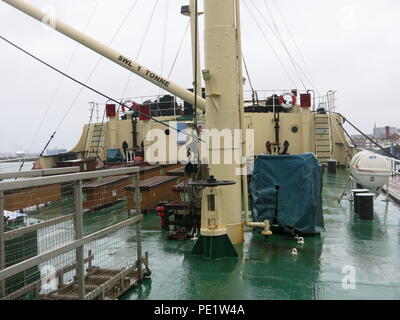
[267, 270]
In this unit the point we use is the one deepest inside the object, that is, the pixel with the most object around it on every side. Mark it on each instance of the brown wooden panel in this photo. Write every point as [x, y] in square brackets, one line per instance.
[179, 190]
[104, 192]
[178, 172]
[153, 195]
[147, 172]
[25, 198]
[84, 164]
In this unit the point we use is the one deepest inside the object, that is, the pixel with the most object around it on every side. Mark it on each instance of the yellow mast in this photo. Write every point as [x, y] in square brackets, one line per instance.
[222, 206]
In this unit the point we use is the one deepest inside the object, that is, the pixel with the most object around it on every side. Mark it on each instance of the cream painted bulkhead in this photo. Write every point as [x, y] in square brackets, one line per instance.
[300, 141]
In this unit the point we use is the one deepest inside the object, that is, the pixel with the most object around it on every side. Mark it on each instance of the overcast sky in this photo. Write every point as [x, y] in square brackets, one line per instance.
[351, 46]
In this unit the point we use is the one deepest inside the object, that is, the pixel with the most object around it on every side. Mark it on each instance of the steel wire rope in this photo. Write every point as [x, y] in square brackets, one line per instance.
[296, 66]
[247, 73]
[141, 45]
[87, 80]
[179, 49]
[50, 105]
[277, 35]
[164, 41]
[97, 64]
[85, 85]
[296, 46]
[309, 78]
[270, 44]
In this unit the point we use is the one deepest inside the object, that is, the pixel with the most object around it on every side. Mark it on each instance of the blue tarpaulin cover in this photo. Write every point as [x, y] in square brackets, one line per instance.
[114, 155]
[293, 185]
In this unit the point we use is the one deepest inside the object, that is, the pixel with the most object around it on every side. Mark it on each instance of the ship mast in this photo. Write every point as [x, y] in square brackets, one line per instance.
[191, 11]
[221, 212]
[195, 46]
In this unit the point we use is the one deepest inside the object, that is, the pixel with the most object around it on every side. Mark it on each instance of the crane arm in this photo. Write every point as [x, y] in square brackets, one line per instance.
[108, 53]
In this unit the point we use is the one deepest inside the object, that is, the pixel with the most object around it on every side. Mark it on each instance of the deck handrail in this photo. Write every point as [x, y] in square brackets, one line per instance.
[37, 173]
[77, 217]
[44, 181]
[395, 163]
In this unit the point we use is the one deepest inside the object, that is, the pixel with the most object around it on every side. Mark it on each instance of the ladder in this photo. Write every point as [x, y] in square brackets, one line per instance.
[96, 139]
[323, 138]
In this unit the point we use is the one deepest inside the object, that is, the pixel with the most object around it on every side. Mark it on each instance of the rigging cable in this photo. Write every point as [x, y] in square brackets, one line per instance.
[97, 64]
[270, 45]
[50, 105]
[365, 136]
[254, 94]
[296, 46]
[291, 56]
[247, 73]
[164, 41]
[280, 38]
[179, 49]
[277, 35]
[87, 80]
[141, 45]
[85, 85]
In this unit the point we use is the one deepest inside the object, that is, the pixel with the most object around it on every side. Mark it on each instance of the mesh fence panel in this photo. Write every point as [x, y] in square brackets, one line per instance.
[48, 213]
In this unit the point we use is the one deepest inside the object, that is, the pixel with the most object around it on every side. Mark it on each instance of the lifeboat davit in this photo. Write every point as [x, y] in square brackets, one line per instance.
[371, 170]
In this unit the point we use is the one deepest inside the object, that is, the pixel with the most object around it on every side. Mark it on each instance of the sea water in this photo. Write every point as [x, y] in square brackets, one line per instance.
[15, 166]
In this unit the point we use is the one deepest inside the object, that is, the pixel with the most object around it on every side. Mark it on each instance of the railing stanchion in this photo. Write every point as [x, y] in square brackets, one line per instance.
[80, 269]
[2, 243]
[138, 226]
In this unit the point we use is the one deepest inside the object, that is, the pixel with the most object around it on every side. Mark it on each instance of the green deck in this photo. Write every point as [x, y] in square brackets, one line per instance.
[267, 270]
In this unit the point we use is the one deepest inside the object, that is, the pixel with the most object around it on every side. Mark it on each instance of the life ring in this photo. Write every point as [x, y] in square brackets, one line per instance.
[130, 105]
[287, 105]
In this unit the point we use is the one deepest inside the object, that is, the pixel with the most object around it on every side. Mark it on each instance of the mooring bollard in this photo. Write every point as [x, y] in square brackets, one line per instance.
[331, 166]
[366, 206]
[355, 200]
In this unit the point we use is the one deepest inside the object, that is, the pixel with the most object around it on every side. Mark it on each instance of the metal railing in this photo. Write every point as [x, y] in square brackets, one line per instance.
[73, 245]
[177, 110]
[395, 167]
[37, 173]
[261, 96]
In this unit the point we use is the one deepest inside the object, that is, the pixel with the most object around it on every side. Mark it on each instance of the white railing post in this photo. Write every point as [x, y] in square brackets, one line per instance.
[80, 269]
[137, 197]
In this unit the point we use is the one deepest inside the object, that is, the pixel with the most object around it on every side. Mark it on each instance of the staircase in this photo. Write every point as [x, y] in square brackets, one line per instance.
[96, 133]
[96, 140]
[323, 139]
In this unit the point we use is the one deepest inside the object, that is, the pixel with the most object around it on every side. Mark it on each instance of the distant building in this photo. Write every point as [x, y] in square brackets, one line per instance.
[53, 152]
[382, 136]
[5, 155]
[20, 154]
[362, 142]
[384, 132]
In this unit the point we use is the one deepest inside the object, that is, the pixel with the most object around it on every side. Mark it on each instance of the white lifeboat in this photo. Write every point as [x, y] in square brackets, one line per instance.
[371, 170]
